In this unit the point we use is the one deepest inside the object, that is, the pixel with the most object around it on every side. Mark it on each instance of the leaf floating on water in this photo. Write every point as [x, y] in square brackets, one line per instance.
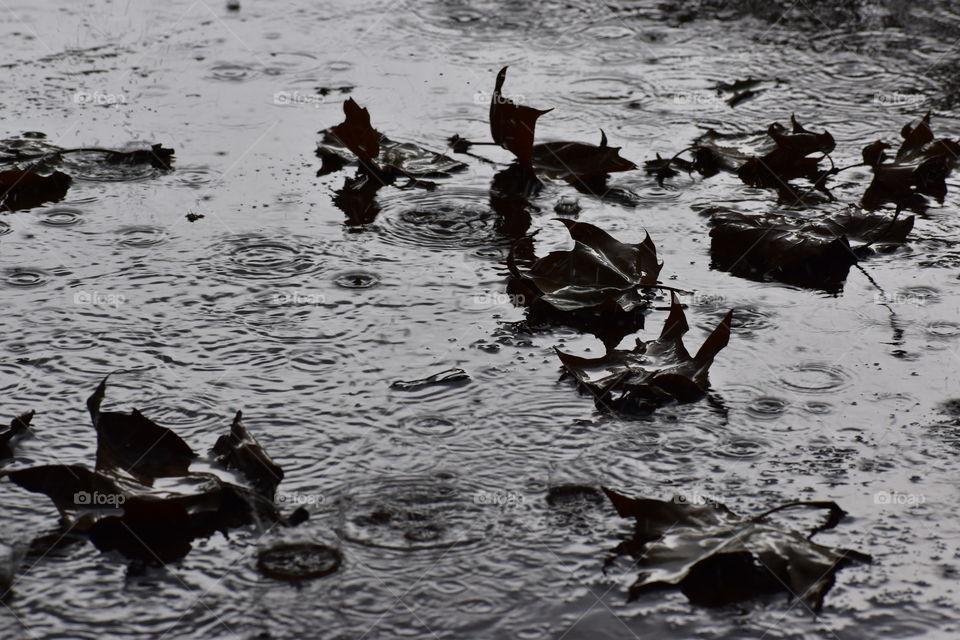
[355, 139]
[157, 156]
[512, 125]
[444, 377]
[919, 169]
[240, 451]
[790, 159]
[18, 427]
[600, 272]
[812, 251]
[26, 189]
[578, 160]
[357, 134]
[148, 523]
[654, 372]
[136, 444]
[716, 557]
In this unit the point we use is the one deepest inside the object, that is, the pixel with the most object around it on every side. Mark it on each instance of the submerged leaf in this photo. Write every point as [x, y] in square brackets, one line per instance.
[654, 372]
[807, 251]
[716, 557]
[512, 125]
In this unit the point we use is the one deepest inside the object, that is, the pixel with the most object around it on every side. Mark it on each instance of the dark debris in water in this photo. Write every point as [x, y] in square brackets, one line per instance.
[448, 376]
[118, 507]
[716, 557]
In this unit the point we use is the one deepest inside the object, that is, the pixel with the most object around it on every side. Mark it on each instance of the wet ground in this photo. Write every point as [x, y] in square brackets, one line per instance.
[437, 497]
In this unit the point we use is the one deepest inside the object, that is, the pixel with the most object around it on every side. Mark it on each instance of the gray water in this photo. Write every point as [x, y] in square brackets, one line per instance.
[828, 397]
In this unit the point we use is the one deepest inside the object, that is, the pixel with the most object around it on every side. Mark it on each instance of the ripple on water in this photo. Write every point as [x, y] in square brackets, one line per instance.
[356, 279]
[232, 72]
[610, 90]
[245, 257]
[443, 219]
[741, 448]
[141, 236]
[415, 513]
[94, 167]
[196, 177]
[25, 277]
[816, 377]
[4, 228]
[60, 217]
[430, 425]
[942, 329]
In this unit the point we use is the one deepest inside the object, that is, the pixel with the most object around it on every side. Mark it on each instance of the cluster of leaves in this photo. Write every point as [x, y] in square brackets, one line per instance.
[716, 557]
[142, 499]
[36, 180]
[380, 162]
[920, 167]
[652, 373]
[816, 250]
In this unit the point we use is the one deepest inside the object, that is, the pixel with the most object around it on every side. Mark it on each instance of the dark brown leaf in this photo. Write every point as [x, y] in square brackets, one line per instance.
[26, 189]
[512, 125]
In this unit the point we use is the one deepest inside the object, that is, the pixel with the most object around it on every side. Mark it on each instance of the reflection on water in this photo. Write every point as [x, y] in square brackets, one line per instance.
[467, 510]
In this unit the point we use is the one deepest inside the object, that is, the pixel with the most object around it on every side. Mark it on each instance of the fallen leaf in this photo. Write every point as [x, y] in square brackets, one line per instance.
[600, 272]
[803, 250]
[358, 135]
[919, 169]
[654, 372]
[240, 451]
[716, 557]
[18, 426]
[512, 125]
[157, 156]
[789, 159]
[136, 444]
[578, 160]
[26, 189]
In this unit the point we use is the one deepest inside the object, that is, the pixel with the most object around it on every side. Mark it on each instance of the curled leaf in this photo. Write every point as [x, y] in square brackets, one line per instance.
[240, 451]
[654, 372]
[136, 444]
[512, 125]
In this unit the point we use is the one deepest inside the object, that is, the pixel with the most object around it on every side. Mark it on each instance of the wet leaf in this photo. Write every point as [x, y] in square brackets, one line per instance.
[357, 198]
[18, 427]
[512, 125]
[144, 522]
[240, 451]
[919, 169]
[156, 156]
[26, 189]
[813, 251]
[716, 557]
[789, 159]
[136, 444]
[356, 140]
[357, 134]
[600, 272]
[579, 160]
[654, 372]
